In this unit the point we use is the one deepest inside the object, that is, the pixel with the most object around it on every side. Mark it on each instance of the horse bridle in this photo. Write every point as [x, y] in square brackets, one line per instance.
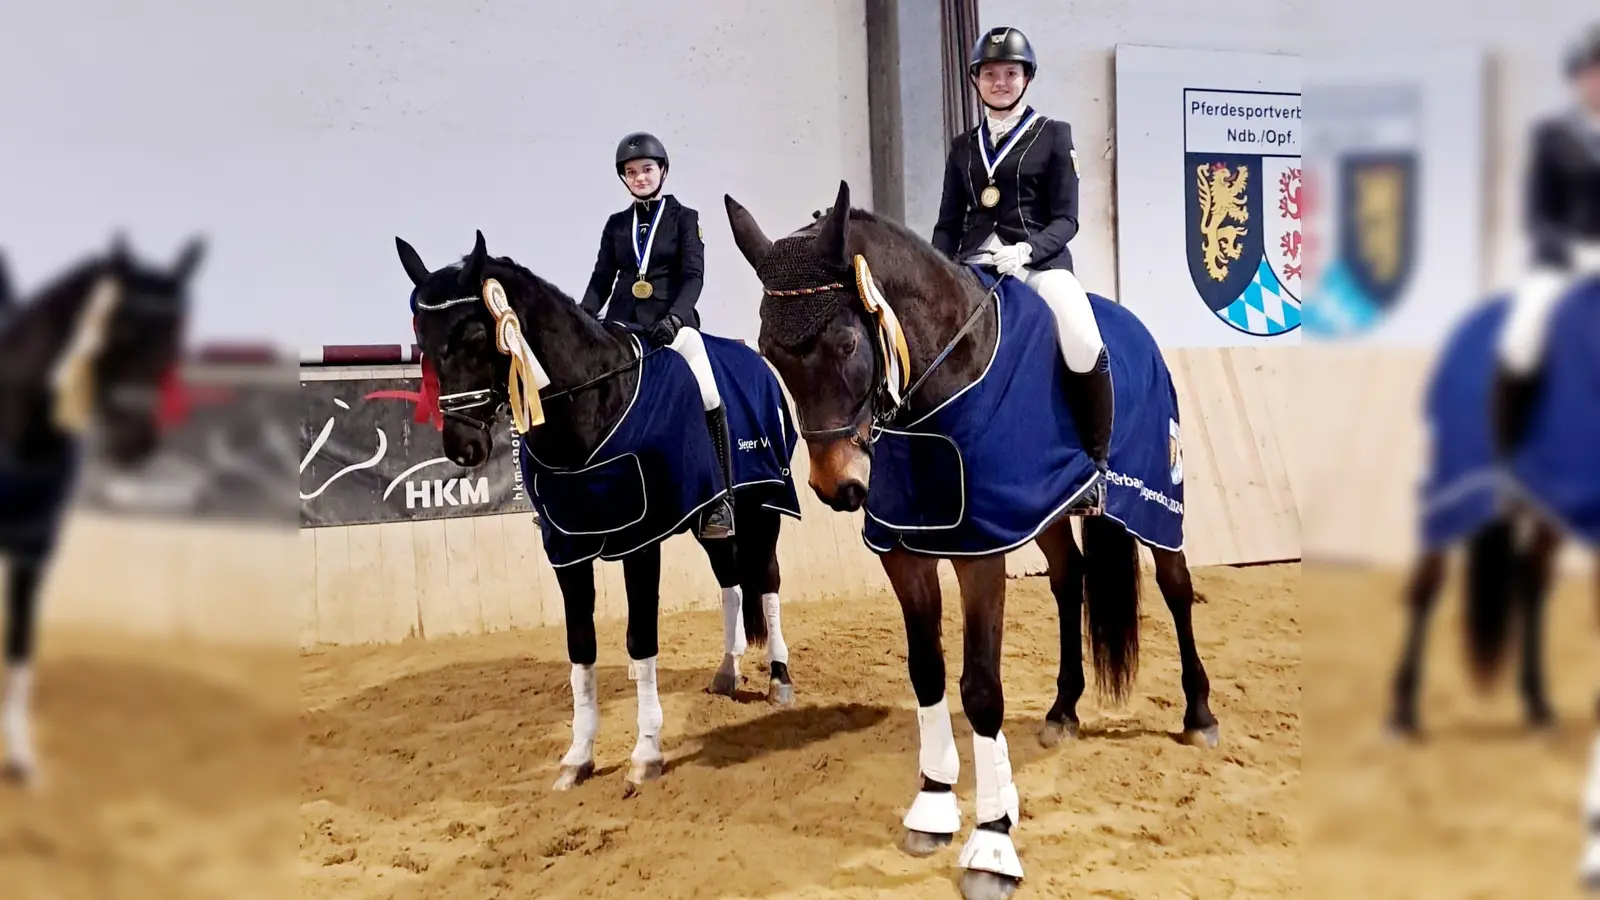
[140, 399]
[869, 407]
[452, 406]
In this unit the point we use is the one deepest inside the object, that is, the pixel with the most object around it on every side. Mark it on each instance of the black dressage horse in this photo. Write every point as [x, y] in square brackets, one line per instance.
[595, 378]
[834, 371]
[86, 358]
[1507, 568]
[1511, 512]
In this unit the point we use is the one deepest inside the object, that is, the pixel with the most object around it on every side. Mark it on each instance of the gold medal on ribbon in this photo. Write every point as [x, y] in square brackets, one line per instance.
[990, 196]
[642, 288]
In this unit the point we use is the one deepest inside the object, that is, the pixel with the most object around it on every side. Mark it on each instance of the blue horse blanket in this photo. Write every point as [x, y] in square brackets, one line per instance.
[33, 498]
[1558, 465]
[990, 469]
[657, 469]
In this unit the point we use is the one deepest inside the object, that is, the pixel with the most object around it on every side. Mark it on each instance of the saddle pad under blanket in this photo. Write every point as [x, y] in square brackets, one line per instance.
[1558, 464]
[988, 470]
[32, 501]
[658, 468]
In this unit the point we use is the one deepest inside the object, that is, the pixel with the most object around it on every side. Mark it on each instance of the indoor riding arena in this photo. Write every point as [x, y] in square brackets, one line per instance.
[364, 691]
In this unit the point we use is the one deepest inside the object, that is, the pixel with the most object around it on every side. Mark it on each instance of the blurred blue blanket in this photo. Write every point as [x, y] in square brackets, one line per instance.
[1557, 467]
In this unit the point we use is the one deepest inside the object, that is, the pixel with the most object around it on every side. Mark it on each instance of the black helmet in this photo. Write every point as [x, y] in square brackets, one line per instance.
[1584, 52]
[640, 145]
[1003, 44]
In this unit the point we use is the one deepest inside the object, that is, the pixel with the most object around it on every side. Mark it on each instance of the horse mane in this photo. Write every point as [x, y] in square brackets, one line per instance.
[904, 249]
[63, 285]
[539, 285]
[52, 308]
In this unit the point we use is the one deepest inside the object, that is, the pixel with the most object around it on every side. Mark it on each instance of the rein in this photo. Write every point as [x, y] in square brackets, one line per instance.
[601, 379]
[868, 409]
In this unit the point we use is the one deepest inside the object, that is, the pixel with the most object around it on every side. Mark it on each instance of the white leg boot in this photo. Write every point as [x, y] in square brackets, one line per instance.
[1589, 869]
[935, 816]
[991, 851]
[647, 760]
[578, 764]
[726, 681]
[780, 691]
[16, 719]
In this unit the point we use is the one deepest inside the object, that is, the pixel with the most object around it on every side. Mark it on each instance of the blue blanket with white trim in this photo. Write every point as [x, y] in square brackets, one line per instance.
[658, 468]
[1558, 465]
[990, 469]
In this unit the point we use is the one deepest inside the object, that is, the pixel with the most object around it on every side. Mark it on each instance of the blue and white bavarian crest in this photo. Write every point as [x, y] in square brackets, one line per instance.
[1241, 183]
[1373, 167]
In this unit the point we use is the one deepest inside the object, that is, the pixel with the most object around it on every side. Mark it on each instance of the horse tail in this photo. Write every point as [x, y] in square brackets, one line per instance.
[755, 618]
[756, 542]
[1111, 608]
[1492, 563]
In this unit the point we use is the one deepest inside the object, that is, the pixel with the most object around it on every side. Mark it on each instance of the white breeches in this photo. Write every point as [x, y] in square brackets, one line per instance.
[1075, 325]
[1533, 301]
[693, 351]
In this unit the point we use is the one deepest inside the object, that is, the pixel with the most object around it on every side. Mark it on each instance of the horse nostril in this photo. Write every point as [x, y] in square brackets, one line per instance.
[852, 495]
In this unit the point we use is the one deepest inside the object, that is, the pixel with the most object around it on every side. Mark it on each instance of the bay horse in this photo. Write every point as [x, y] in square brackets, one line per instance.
[871, 357]
[609, 408]
[88, 357]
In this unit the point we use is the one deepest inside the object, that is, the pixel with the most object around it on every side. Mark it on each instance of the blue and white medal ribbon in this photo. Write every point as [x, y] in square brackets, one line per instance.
[991, 194]
[642, 289]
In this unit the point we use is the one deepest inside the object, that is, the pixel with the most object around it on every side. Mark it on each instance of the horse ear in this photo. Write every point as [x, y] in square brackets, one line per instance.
[119, 249]
[412, 262]
[189, 259]
[834, 235]
[747, 234]
[472, 270]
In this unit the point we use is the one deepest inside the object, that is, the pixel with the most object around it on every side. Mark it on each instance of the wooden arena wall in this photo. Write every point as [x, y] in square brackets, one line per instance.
[397, 581]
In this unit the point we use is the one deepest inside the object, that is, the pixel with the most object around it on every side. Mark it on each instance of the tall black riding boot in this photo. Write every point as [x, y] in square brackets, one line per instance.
[1511, 403]
[1089, 397]
[717, 521]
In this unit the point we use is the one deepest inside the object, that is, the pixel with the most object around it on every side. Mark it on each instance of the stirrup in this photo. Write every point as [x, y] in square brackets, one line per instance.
[1093, 500]
[717, 521]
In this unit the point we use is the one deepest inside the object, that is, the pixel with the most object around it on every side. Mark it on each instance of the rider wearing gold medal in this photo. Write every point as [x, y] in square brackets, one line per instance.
[1011, 202]
[657, 248]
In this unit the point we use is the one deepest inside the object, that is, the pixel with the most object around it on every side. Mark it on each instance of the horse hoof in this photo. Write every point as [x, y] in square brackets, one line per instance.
[1402, 732]
[923, 843]
[22, 774]
[639, 773]
[1054, 733]
[572, 776]
[977, 885]
[780, 694]
[1204, 738]
[725, 684]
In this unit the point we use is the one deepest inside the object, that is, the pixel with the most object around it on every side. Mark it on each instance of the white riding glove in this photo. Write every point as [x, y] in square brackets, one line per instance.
[1010, 259]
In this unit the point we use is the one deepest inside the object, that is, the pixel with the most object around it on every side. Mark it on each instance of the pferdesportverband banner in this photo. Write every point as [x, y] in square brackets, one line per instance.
[1209, 245]
[365, 458]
